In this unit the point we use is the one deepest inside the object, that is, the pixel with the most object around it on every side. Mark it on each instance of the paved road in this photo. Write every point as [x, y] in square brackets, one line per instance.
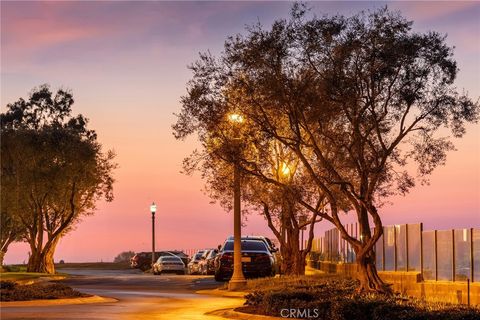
[141, 296]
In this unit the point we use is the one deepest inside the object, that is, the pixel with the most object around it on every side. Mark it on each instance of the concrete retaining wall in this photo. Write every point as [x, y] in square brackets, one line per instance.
[412, 284]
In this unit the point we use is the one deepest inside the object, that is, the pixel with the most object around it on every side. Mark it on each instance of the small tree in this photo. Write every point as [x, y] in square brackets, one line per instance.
[11, 230]
[124, 256]
[54, 168]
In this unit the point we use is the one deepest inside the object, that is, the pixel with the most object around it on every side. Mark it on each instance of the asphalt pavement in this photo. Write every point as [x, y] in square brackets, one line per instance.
[139, 295]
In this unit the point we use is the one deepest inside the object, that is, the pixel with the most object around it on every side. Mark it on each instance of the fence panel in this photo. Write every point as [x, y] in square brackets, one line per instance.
[476, 254]
[429, 255]
[389, 243]
[379, 253]
[445, 255]
[401, 247]
[462, 254]
[414, 234]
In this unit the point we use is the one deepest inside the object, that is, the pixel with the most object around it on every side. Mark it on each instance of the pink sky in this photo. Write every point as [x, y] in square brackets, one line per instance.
[126, 64]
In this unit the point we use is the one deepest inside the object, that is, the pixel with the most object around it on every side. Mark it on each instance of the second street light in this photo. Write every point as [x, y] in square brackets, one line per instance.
[153, 209]
[238, 279]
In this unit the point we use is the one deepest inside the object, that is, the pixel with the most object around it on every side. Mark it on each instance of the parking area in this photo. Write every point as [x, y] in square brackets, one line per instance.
[260, 258]
[139, 295]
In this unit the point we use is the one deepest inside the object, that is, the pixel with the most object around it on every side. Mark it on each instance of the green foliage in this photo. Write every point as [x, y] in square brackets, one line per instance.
[53, 170]
[358, 101]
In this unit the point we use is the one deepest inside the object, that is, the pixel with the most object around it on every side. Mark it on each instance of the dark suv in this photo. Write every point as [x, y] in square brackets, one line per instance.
[257, 260]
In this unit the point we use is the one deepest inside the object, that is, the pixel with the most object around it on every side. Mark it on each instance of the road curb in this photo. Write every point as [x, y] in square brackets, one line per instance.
[40, 279]
[56, 302]
[232, 314]
[223, 293]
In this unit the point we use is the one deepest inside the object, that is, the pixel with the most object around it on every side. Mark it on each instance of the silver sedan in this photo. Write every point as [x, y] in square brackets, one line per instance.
[169, 264]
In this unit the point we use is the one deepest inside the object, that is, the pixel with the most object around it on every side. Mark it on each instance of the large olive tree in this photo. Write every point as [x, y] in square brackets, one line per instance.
[355, 99]
[54, 169]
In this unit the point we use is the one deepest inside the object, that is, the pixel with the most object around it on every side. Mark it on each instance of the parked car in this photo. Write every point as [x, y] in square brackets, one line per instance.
[201, 263]
[257, 260]
[193, 265]
[271, 247]
[143, 260]
[169, 264]
[207, 266]
[182, 255]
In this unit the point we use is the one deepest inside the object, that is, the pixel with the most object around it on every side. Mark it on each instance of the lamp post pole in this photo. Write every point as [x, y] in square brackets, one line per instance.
[237, 282]
[153, 209]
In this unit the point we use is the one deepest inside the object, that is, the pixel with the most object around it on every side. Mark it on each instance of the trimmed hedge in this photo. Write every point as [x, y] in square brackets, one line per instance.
[11, 291]
[338, 300]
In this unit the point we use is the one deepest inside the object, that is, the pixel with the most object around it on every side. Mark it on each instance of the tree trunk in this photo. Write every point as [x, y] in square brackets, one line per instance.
[368, 275]
[34, 260]
[42, 260]
[2, 256]
[293, 260]
[47, 264]
[4, 248]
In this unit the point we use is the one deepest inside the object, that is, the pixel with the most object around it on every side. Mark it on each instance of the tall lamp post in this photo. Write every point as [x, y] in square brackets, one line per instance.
[238, 281]
[153, 209]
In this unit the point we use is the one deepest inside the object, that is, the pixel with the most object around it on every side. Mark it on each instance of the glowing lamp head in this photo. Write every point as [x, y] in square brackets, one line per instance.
[153, 207]
[235, 117]
[285, 170]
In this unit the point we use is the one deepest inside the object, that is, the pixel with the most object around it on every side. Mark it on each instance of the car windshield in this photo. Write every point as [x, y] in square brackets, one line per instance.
[171, 259]
[247, 245]
[198, 256]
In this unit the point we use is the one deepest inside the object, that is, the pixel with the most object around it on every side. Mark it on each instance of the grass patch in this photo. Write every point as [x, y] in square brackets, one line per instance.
[284, 282]
[332, 298]
[94, 265]
[22, 276]
[15, 268]
[11, 291]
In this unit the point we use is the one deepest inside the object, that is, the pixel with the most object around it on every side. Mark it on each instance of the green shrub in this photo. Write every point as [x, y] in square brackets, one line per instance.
[14, 292]
[7, 285]
[336, 299]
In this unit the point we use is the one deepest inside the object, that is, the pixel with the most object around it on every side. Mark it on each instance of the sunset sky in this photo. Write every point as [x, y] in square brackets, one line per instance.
[126, 63]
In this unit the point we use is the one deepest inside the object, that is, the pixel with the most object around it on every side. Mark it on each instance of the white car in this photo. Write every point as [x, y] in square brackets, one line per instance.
[194, 264]
[171, 264]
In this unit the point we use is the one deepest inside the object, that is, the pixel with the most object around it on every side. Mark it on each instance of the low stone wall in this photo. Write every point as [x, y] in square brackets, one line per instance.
[412, 284]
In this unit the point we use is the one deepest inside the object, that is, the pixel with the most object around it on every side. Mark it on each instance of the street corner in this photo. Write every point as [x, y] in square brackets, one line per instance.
[58, 302]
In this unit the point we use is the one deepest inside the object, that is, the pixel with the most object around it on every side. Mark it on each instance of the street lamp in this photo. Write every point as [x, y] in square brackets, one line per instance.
[153, 209]
[238, 279]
